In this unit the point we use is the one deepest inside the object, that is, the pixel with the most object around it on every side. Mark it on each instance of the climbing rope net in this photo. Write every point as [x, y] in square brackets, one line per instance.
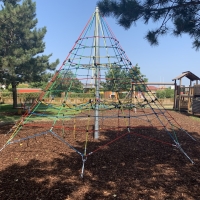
[112, 106]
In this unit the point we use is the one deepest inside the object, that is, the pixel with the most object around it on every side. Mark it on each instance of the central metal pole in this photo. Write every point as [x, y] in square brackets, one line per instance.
[97, 74]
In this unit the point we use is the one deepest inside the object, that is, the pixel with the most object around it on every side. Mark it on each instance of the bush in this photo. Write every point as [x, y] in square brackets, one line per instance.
[169, 93]
[25, 96]
[122, 95]
[81, 95]
[161, 94]
[28, 96]
[6, 94]
[166, 93]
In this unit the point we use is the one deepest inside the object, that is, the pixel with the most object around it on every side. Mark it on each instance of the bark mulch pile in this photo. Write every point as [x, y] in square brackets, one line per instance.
[132, 167]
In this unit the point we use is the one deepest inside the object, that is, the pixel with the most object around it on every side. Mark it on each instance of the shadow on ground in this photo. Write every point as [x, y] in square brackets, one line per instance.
[130, 168]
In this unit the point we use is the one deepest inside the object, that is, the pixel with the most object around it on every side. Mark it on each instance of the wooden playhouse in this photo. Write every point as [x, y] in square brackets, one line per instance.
[187, 98]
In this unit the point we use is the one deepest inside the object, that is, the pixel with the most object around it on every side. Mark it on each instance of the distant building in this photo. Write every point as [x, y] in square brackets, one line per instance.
[88, 87]
[162, 87]
[28, 90]
[152, 89]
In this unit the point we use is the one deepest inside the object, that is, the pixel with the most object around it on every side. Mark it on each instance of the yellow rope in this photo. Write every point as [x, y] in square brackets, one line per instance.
[15, 132]
[87, 131]
[74, 132]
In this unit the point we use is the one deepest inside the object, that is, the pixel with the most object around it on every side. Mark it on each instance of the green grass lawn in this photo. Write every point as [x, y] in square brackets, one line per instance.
[8, 113]
[197, 118]
[7, 108]
[41, 113]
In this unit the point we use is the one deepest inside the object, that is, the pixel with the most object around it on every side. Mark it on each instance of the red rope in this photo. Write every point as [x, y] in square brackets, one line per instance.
[107, 144]
[146, 137]
[76, 42]
[80, 129]
[115, 38]
[55, 75]
[150, 138]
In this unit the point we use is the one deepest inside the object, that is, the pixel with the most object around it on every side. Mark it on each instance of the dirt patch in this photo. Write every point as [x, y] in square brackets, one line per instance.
[132, 167]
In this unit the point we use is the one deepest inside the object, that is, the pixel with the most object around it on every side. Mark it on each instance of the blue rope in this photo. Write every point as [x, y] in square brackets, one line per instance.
[29, 137]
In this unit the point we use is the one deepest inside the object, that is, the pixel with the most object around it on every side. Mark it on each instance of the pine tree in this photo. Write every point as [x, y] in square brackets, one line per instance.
[13, 2]
[21, 45]
[183, 14]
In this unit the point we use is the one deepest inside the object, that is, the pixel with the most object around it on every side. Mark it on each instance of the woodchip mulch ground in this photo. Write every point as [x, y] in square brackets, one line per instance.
[132, 167]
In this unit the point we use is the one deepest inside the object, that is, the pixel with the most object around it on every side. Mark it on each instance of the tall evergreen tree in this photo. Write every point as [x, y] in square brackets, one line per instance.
[21, 45]
[43, 82]
[13, 2]
[183, 14]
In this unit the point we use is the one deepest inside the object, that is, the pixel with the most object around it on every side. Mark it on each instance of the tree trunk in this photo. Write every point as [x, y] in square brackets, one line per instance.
[14, 91]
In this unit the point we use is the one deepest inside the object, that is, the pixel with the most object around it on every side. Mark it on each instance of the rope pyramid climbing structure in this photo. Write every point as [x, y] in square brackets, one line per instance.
[116, 101]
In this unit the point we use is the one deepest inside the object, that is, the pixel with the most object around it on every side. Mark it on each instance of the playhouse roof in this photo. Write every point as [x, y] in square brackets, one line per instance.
[187, 74]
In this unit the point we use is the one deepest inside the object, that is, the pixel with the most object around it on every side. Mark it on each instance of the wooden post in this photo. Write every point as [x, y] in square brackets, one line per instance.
[179, 102]
[175, 94]
[131, 93]
[134, 97]
[189, 95]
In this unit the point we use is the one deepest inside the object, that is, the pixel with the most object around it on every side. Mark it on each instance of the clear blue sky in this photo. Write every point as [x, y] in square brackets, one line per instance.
[65, 19]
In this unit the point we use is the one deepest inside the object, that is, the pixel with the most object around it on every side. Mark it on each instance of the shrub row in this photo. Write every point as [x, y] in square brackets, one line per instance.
[20, 95]
[167, 93]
